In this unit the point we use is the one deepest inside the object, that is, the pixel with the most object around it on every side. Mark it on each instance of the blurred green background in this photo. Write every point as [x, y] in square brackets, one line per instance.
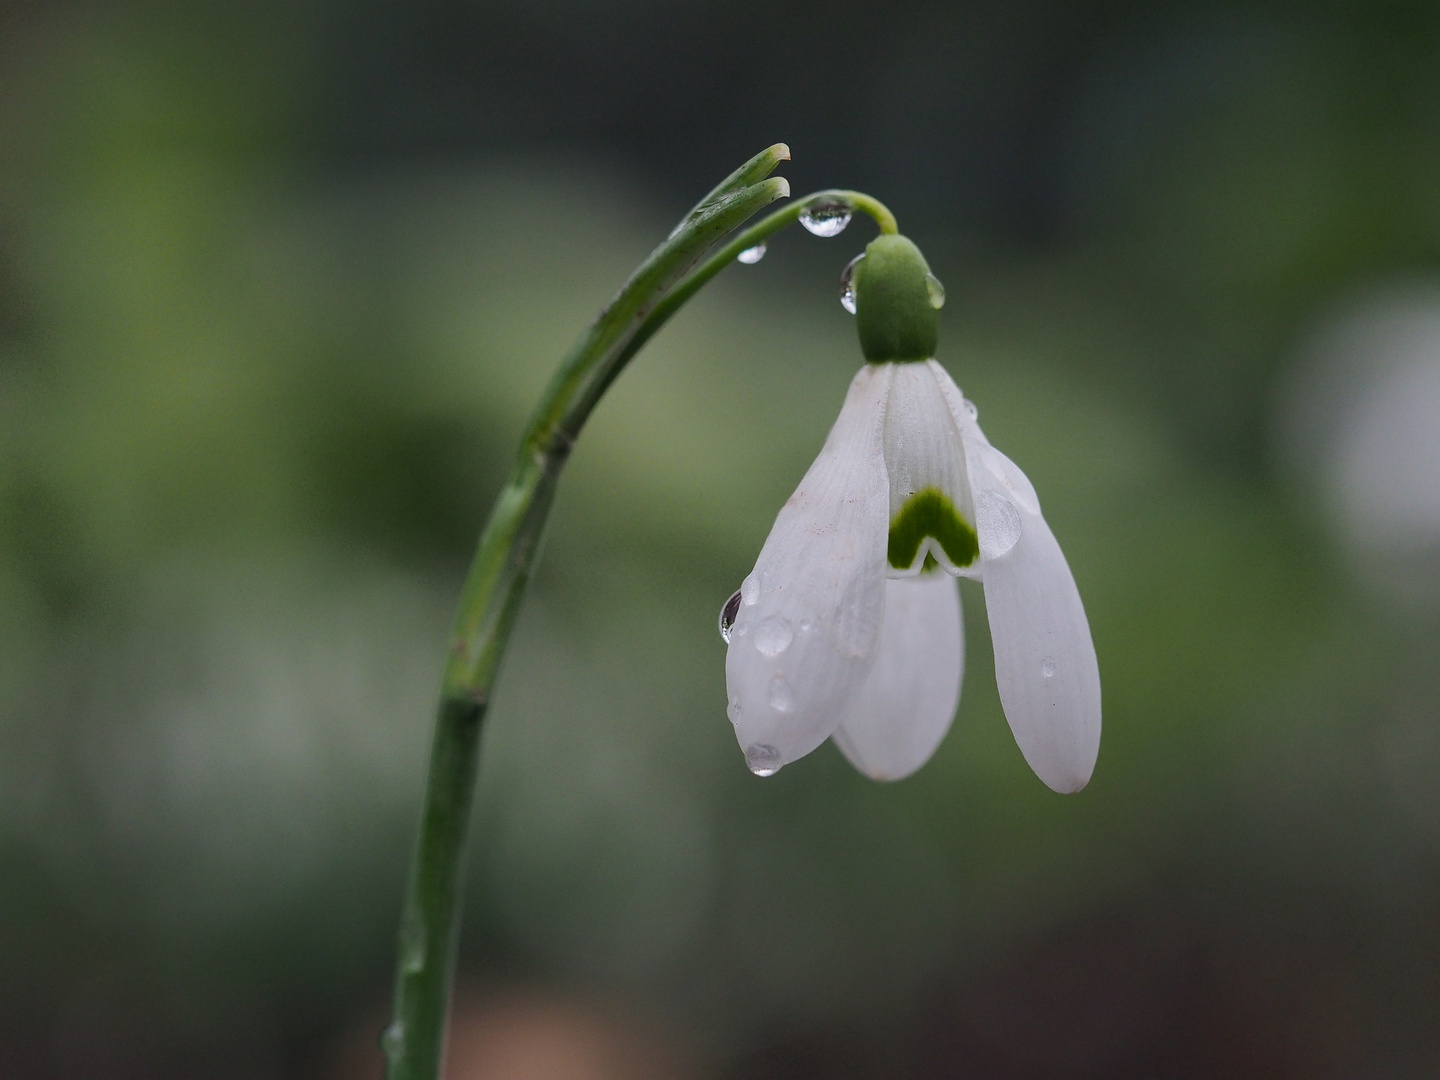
[278, 286]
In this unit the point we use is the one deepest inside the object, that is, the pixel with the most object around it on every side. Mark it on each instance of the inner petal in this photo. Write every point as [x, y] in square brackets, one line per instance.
[928, 520]
[931, 511]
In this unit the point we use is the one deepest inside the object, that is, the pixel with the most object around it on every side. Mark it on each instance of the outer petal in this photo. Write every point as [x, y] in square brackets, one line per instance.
[905, 706]
[808, 626]
[1045, 663]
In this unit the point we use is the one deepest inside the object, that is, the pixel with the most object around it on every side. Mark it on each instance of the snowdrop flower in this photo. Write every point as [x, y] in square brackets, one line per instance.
[849, 627]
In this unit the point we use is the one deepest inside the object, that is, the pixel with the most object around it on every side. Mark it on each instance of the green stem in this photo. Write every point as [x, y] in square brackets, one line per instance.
[504, 560]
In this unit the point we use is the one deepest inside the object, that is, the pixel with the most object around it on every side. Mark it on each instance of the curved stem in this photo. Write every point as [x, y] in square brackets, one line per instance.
[504, 560]
[755, 234]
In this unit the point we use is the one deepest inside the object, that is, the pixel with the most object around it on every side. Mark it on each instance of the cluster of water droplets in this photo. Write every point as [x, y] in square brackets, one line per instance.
[820, 218]
[770, 638]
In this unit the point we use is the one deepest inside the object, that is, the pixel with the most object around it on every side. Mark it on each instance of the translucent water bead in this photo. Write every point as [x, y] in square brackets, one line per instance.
[847, 284]
[826, 218]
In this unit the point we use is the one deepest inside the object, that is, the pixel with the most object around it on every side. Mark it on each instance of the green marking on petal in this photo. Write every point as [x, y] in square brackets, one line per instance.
[930, 513]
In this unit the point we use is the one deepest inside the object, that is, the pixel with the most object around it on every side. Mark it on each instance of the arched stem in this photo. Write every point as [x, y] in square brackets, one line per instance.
[504, 560]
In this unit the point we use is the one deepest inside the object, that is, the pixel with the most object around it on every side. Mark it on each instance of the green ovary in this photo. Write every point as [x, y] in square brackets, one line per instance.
[930, 513]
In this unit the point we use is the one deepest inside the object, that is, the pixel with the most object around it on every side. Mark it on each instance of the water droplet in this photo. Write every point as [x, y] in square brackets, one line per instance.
[751, 255]
[807, 624]
[773, 636]
[1047, 667]
[936, 291]
[970, 409]
[826, 218]
[733, 710]
[998, 523]
[750, 590]
[847, 284]
[782, 698]
[728, 613]
[392, 1040]
[763, 759]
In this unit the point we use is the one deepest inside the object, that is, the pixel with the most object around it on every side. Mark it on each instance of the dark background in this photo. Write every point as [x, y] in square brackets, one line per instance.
[278, 285]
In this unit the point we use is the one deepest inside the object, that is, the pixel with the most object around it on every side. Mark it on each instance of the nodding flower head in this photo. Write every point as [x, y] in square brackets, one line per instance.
[849, 626]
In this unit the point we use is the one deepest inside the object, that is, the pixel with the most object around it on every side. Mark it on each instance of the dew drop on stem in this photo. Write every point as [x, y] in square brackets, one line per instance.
[826, 218]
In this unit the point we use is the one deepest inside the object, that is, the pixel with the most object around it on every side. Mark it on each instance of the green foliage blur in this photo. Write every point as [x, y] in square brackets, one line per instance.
[278, 287]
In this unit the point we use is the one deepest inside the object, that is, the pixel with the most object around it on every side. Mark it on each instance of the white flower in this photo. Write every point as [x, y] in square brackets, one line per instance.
[847, 628]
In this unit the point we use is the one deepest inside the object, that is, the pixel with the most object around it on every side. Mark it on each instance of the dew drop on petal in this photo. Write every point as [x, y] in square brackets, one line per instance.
[807, 624]
[782, 698]
[1047, 667]
[998, 523]
[970, 409]
[936, 291]
[728, 613]
[751, 255]
[847, 284]
[750, 590]
[733, 710]
[763, 759]
[826, 218]
[773, 636]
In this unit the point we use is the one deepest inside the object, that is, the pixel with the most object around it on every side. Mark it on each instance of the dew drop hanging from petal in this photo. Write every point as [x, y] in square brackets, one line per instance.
[826, 218]
[751, 255]
[763, 759]
[847, 284]
[728, 614]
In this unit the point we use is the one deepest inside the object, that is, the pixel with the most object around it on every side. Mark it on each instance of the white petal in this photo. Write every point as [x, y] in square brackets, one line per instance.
[808, 626]
[905, 706]
[1045, 663]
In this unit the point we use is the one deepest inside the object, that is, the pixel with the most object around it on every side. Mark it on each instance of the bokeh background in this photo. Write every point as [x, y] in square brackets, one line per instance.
[279, 283]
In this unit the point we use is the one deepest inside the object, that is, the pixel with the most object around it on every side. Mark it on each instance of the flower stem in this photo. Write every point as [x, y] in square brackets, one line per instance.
[503, 562]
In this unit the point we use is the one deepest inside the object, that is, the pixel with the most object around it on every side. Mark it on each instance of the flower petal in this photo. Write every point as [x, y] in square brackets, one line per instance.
[809, 622]
[906, 704]
[930, 509]
[1045, 663]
